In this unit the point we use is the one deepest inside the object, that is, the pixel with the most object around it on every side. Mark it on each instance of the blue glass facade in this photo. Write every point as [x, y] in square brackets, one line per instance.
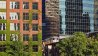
[76, 16]
[88, 6]
[62, 10]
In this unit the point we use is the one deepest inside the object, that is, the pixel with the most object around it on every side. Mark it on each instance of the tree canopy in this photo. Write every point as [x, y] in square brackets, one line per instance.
[78, 45]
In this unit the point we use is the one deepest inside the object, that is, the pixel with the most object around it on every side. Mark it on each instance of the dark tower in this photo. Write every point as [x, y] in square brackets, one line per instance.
[74, 9]
[51, 21]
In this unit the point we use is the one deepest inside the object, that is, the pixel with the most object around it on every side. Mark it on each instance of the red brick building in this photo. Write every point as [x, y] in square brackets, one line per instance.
[21, 19]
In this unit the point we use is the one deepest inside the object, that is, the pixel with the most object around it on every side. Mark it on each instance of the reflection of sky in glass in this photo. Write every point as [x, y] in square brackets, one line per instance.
[88, 6]
[62, 8]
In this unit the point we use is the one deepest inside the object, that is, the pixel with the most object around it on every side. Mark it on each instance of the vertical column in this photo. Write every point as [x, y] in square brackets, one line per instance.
[8, 19]
[30, 18]
[40, 26]
[21, 19]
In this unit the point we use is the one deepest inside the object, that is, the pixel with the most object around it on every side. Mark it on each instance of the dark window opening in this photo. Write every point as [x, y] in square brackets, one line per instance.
[35, 48]
[25, 37]
[35, 37]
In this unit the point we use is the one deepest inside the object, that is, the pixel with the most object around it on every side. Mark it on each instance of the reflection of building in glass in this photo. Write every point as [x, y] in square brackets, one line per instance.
[85, 23]
[88, 7]
[21, 19]
[62, 16]
[96, 15]
[76, 15]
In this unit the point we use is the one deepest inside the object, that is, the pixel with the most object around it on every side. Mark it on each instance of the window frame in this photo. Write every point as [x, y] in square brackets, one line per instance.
[35, 37]
[25, 26]
[35, 5]
[35, 48]
[25, 37]
[34, 27]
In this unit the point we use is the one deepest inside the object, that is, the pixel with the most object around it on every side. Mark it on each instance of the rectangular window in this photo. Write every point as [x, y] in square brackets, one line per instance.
[3, 4]
[25, 5]
[25, 16]
[14, 26]
[25, 26]
[25, 37]
[35, 27]
[2, 26]
[13, 37]
[2, 37]
[14, 5]
[14, 16]
[35, 16]
[35, 5]
[35, 37]
[2, 48]
[35, 48]
[3, 15]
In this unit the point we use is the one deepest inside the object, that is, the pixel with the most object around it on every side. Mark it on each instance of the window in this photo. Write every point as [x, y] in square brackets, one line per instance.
[2, 48]
[3, 4]
[25, 37]
[14, 16]
[35, 37]
[14, 26]
[2, 37]
[35, 16]
[3, 15]
[25, 26]
[35, 48]
[35, 5]
[25, 16]
[2, 26]
[25, 5]
[35, 27]
[14, 37]
[14, 5]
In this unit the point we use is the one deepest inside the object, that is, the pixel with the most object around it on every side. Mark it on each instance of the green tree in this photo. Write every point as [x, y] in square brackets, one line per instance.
[91, 47]
[16, 48]
[78, 45]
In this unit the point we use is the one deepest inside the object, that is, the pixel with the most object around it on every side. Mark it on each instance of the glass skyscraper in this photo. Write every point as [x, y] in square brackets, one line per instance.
[96, 15]
[76, 16]
[88, 7]
[50, 18]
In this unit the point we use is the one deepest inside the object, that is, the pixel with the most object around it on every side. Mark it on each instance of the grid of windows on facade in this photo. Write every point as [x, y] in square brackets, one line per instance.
[25, 5]
[25, 26]
[34, 16]
[3, 15]
[25, 16]
[35, 48]
[25, 37]
[2, 37]
[35, 5]
[14, 26]
[35, 37]
[14, 16]
[35, 27]
[2, 26]
[14, 5]
[3, 4]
